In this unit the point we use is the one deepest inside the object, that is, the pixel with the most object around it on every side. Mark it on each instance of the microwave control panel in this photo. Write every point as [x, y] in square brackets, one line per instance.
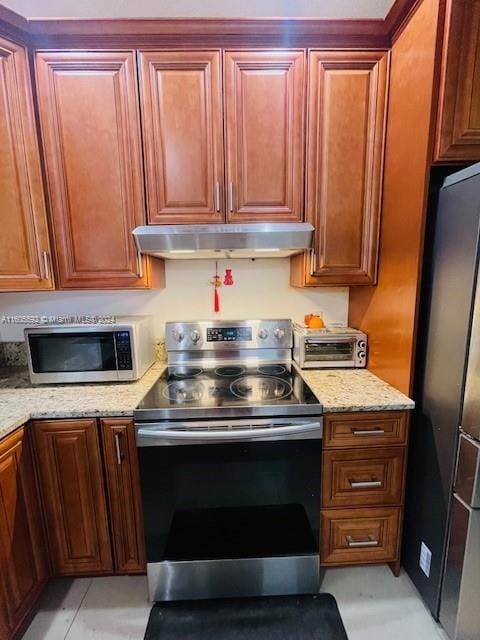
[124, 350]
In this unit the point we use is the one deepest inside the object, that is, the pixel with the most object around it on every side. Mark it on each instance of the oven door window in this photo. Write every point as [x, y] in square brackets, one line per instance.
[80, 351]
[329, 351]
[205, 502]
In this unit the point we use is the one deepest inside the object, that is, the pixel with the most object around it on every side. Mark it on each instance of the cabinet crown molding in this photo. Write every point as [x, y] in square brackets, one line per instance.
[208, 32]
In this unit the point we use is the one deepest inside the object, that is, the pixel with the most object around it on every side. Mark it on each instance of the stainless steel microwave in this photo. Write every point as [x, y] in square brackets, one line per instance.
[335, 347]
[115, 352]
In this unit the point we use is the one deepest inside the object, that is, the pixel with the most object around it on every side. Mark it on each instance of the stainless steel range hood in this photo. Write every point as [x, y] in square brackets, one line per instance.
[256, 240]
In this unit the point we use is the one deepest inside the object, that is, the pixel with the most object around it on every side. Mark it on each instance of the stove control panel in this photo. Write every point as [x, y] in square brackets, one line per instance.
[215, 335]
[229, 334]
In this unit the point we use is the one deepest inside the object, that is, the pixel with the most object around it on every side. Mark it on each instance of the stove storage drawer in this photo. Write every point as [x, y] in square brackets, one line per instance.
[363, 477]
[360, 536]
[365, 429]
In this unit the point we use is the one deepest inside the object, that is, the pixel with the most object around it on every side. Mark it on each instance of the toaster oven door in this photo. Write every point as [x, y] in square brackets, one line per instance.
[337, 352]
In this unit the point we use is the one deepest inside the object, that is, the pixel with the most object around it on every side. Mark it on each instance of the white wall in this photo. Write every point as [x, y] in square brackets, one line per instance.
[261, 290]
[207, 8]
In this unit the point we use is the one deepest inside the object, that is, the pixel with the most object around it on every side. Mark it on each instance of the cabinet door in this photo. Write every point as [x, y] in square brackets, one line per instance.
[70, 469]
[24, 246]
[264, 103]
[23, 558]
[123, 489]
[458, 124]
[345, 142]
[91, 134]
[182, 134]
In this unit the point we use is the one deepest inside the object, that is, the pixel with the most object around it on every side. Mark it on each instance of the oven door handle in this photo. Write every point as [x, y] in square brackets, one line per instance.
[148, 436]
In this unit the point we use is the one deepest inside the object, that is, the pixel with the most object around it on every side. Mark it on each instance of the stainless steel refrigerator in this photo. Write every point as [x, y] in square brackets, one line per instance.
[441, 549]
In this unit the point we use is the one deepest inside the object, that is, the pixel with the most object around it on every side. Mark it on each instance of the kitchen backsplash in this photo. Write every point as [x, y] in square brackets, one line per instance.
[13, 354]
[160, 351]
[261, 290]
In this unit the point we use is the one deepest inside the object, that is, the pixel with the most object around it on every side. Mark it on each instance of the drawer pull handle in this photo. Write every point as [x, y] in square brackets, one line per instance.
[368, 432]
[371, 542]
[365, 484]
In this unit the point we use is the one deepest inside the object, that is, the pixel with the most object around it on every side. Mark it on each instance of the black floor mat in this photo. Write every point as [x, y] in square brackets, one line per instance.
[308, 617]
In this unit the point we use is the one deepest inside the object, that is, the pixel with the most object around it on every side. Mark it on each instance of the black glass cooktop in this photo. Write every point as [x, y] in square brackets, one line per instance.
[270, 389]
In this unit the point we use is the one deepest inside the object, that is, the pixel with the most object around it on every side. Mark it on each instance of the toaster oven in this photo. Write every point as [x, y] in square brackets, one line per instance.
[329, 347]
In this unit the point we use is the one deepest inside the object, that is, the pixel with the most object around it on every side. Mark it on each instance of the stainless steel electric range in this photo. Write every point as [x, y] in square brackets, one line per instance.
[229, 443]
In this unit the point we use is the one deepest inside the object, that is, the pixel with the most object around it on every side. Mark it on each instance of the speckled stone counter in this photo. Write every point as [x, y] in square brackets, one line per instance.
[337, 390]
[354, 390]
[20, 401]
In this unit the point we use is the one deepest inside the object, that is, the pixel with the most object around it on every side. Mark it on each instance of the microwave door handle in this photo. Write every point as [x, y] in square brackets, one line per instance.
[204, 436]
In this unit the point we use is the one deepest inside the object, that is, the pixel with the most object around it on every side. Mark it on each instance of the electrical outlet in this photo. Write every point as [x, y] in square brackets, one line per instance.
[425, 559]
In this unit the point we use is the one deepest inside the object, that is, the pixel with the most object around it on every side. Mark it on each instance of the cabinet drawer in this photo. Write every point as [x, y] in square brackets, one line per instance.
[355, 478]
[357, 536]
[365, 429]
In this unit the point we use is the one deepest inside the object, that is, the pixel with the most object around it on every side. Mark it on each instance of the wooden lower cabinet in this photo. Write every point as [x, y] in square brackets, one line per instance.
[363, 487]
[71, 484]
[23, 559]
[360, 536]
[123, 491]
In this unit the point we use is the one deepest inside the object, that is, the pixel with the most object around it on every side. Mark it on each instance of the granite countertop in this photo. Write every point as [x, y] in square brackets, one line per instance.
[354, 390]
[337, 390]
[20, 401]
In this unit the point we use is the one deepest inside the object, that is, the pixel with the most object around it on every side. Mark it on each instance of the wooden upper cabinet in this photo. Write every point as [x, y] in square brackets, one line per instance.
[24, 246]
[183, 136]
[23, 557]
[71, 482]
[345, 143]
[90, 122]
[264, 116]
[458, 121]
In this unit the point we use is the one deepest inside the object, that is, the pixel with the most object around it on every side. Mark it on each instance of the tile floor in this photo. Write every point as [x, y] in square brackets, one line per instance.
[374, 606]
